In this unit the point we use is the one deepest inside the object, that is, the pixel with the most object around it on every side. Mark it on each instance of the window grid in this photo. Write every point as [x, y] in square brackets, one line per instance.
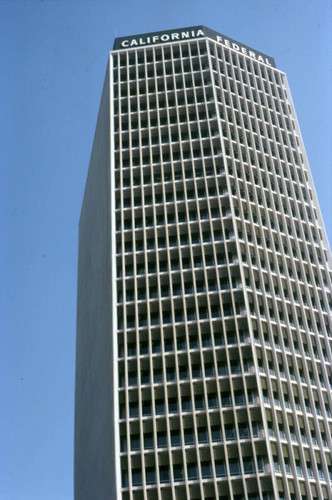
[208, 458]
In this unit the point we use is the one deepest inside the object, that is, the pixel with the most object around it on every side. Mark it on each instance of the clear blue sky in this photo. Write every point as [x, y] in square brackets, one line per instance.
[53, 59]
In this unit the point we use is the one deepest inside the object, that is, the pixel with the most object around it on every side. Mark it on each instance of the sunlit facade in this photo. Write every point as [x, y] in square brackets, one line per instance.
[204, 328]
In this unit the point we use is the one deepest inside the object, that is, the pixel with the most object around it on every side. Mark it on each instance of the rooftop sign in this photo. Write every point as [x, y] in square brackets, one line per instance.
[194, 32]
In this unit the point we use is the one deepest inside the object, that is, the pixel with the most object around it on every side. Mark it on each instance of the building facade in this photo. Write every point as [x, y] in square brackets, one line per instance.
[204, 333]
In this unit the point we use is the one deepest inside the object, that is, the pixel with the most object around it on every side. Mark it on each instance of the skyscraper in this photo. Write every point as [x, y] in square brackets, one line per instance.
[204, 290]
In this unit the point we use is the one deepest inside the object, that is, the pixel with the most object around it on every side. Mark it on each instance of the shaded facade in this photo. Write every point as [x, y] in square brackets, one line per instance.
[204, 332]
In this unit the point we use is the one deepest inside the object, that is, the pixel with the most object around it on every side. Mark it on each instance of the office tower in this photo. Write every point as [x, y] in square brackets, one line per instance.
[204, 335]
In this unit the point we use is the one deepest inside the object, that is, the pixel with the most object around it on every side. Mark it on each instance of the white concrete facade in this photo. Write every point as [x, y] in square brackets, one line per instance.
[218, 345]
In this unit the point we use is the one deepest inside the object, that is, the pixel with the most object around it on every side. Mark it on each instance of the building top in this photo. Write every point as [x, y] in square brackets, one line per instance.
[191, 33]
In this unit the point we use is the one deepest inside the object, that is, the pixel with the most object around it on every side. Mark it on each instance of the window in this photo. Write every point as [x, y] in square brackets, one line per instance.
[244, 431]
[230, 432]
[199, 403]
[189, 437]
[136, 477]
[196, 371]
[181, 343]
[150, 475]
[239, 398]
[175, 438]
[192, 471]
[145, 377]
[124, 479]
[206, 470]
[134, 443]
[220, 467]
[172, 405]
[144, 348]
[123, 443]
[178, 472]
[160, 407]
[260, 463]
[132, 378]
[216, 433]
[202, 435]
[164, 474]
[148, 441]
[158, 375]
[248, 466]
[213, 401]
[133, 410]
[183, 374]
[226, 399]
[234, 467]
[186, 403]
[209, 370]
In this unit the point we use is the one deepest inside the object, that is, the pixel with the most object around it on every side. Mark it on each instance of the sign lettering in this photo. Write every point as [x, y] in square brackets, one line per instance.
[194, 32]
